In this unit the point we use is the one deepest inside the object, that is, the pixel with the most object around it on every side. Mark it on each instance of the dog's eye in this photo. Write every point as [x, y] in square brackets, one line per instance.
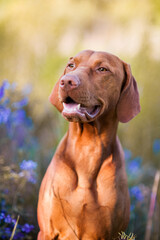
[71, 65]
[102, 69]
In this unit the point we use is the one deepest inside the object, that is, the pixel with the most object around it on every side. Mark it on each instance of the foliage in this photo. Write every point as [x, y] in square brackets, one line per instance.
[16, 175]
[140, 180]
[124, 236]
[35, 49]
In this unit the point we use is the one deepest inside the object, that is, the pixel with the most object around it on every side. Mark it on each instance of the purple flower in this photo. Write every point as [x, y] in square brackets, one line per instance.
[32, 177]
[28, 165]
[8, 219]
[134, 165]
[21, 103]
[18, 117]
[14, 221]
[1, 92]
[27, 228]
[8, 231]
[2, 216]
[19, 236]
[136, 193]
[156, 146]
[4, 86]
[4, 114]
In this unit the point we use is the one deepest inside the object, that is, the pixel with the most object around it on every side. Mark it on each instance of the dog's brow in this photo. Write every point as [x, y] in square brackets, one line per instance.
[102, 62]
[75, 59]
[98, 62]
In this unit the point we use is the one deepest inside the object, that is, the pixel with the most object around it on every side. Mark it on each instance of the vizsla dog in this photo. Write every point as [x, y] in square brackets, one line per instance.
[84, 193]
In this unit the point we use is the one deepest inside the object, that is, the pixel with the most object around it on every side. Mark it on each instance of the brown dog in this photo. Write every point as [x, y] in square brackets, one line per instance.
[84, 193]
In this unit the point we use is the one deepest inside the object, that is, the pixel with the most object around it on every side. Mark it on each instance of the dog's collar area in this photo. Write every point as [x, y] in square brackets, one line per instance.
[74, 111]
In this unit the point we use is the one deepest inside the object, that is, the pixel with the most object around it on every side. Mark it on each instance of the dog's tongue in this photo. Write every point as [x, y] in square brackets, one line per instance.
[77, 112]
[70, 107]
[75, 107]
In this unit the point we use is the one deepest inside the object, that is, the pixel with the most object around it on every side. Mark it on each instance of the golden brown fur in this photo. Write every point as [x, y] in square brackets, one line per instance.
[84, 193]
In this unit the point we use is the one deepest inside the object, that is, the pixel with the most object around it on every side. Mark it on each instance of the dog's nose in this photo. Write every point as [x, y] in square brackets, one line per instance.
[69, 82]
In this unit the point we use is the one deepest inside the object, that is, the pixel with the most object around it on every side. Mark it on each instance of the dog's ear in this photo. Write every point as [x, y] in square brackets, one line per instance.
[54, 97]
[128, 105]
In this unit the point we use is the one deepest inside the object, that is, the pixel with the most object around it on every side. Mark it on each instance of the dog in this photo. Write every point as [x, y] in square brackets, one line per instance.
[84, 193]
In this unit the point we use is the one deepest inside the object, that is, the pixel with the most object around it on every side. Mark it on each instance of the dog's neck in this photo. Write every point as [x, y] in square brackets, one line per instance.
[89, 145]
[99, 135]
[102, 129]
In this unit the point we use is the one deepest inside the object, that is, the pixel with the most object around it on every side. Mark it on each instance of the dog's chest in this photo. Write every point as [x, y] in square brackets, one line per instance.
[81, 201]
[79, 187]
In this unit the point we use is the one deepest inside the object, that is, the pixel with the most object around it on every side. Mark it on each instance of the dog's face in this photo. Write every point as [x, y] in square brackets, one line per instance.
[94, 83]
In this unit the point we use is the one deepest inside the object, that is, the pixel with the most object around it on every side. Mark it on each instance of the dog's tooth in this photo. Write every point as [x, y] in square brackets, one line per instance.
[79, 106]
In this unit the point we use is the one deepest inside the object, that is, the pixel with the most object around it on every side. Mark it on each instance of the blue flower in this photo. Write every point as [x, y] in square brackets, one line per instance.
[136, 193]
[28, 165]
[8, 219]
[21, 103]
[4, 86]
[19, 236]
[134, 165]
[27, 228]
[156, 146]
[32, 177]
[18, 117]
[4, 114]
[8, 231]
[2, 216]
[14, 221]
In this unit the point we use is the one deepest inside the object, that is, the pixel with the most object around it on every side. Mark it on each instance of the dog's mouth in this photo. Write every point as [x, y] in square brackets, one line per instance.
[76, 112]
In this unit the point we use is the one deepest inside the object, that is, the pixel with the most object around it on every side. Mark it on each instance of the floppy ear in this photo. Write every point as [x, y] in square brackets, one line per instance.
[54, 97]
[128, 105]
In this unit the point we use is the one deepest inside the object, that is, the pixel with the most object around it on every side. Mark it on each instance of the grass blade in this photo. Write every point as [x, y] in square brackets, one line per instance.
[152, 205]
[14, 229]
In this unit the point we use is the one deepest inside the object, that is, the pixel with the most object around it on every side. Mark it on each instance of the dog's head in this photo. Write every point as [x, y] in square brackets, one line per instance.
[94, 83]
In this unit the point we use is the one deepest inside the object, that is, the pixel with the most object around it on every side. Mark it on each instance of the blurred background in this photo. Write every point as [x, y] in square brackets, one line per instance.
[36, 39]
